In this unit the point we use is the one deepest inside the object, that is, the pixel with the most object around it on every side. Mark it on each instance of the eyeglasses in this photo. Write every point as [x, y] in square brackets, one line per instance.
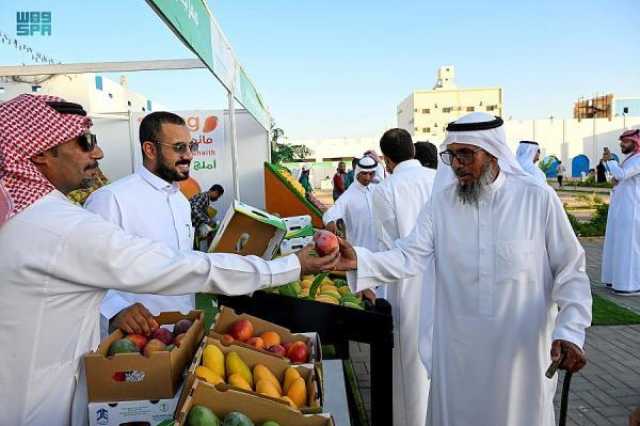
[87, 142]
[181, 147]
[464, 156]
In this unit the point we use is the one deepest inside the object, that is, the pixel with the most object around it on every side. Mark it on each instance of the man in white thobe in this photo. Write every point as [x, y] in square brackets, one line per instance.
[397, 202]
[528, 154]
[621, 252]
[512, 293]
[149, 204]
[354, 207]
[58, 260]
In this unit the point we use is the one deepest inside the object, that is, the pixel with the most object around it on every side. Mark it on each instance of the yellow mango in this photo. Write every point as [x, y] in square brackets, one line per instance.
[265, 387]
[327, 299]
[344, 290]
[260, 372]
[308, 278]
[289, 401]
[235, 365]
[290, 375]
[328, 288]
[213, 359]
[237, 380]
[208, 375]
[306, 283]
[298, 392]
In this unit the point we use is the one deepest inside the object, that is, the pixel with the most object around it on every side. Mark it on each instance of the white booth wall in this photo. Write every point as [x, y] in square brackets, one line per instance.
[118, 138]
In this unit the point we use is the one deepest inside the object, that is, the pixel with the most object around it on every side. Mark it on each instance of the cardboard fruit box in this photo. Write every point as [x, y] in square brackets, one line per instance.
[223, 400]
[275, 364]
[227, 316]
[247, 230]
[133, 376]
[149, 412]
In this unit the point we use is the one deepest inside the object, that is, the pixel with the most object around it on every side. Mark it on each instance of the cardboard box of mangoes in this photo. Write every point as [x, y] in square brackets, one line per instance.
[256, 373]
[135, 367]
[209, 405]
[264, 336]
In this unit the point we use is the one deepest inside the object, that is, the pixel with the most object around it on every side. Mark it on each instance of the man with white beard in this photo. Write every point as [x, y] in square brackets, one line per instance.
[511, 291]
[528, 154]
[621, 253]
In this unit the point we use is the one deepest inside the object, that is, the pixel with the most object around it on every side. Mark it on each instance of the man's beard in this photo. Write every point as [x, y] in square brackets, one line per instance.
[170, 174]
[470, 193]
[90, 181]
[627, 150]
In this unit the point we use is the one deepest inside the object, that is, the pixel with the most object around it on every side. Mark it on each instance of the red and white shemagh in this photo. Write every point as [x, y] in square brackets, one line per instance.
[28, 126]
[634, 135]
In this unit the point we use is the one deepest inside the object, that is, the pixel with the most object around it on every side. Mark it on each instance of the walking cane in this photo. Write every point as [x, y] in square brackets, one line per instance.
[566, 384]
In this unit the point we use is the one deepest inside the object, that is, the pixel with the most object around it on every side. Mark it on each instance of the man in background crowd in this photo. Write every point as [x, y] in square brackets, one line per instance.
[338, 180]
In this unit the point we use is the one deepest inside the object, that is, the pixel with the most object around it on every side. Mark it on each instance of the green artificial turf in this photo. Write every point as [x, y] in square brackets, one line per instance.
[606, 312]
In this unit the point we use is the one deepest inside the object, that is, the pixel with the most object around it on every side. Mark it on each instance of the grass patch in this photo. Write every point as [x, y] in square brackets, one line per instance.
[606, 312]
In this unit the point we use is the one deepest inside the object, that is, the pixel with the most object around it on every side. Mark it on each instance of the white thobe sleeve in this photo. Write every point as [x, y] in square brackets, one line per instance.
[104, 203]
[571, 288]
[385, 221]
[97, 253]
[409, 257]
[336, 211]
[620, 173]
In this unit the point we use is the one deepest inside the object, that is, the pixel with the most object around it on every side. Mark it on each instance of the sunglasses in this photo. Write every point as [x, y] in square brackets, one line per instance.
[180, 148]
[464, 156]
[87, 142]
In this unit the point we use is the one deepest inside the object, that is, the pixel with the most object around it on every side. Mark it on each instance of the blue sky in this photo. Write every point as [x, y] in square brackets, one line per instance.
[339, 68]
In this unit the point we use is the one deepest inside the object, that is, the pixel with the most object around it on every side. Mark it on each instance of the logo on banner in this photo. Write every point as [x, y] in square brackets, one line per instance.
[201, 130]
[33, 23]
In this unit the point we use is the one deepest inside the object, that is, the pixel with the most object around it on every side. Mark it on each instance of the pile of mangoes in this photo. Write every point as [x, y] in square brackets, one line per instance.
[161, 339]
[216, 367]
[199, 415]
[242, 330]
[322, 288]
[286, 175]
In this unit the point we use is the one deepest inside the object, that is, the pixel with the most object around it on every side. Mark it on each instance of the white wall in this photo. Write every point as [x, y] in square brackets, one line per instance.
[568, 138]
[253, 151]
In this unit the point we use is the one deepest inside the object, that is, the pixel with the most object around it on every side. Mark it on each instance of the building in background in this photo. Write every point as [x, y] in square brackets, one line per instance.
[426, 113]
[606, 106]
[97, 94]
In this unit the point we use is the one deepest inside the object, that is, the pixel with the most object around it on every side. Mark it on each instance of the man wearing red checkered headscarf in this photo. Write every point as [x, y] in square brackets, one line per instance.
[621, 252]
[30, 125]
[58, 260]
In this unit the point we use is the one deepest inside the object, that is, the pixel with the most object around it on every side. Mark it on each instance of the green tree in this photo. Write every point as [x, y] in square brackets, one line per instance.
[285, 153]
[545, 164]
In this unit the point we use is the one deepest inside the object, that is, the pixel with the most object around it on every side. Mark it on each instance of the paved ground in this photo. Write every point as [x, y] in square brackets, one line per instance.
[605, 392]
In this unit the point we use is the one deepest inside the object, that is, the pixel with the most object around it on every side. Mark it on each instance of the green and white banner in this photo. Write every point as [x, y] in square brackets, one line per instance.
[193, 23]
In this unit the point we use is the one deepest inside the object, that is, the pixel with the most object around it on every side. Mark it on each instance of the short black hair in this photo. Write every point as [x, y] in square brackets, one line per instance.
[427, 154]
[151, 124]
[217, 188]
[397, 145]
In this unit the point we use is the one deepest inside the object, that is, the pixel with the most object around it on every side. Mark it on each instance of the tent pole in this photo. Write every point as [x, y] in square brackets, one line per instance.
[234, 146]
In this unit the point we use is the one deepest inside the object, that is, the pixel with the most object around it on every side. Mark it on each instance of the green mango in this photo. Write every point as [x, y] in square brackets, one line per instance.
[235, 418]
[287, 290]
[270, 423]
[200, 415]
[123, 346]
[352, 305]
[350, 298]
[339, 282]
[316, 284]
